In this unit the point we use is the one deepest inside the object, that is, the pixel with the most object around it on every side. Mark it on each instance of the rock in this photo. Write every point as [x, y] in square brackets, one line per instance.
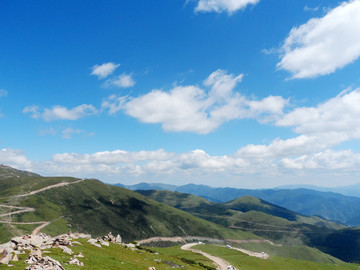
[130, 245]
[93, 242]
[66, 250]
[34, 256]
[5, 256]
[76, 262]
[118, 239]
[109, 237]
[46, 263]
[62, 240]
[103, 243]
[15, 258]
[79, 255]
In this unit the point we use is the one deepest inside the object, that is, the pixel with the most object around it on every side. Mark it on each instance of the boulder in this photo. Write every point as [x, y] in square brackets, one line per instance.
[118, 239]
[5, 256]
[76, 262]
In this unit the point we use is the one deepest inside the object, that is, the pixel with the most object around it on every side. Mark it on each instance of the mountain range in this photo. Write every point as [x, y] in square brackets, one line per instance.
[329, 205]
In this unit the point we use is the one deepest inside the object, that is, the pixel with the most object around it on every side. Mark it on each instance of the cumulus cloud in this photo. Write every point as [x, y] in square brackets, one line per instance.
[345, 160]
[339, 116]
[104, 70]
[123, 81]
[218, 6]
[194, 166]
[3, 93]
[14, 158]
[323, 45]
[193, 109]
[111, 157]
[330, 123]
[60, 113]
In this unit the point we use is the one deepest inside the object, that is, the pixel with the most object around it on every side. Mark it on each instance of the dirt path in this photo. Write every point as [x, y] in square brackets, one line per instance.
[184, 239]
[42, 224]
[45, 188]
[261, 255]
[221, 264]
[21, 210]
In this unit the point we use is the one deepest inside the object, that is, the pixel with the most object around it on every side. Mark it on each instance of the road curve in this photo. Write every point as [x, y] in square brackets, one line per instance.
[221, 264]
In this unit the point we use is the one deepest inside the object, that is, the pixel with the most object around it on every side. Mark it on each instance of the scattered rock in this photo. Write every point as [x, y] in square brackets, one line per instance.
[76, 262]
[46, 263]
[94, 242]
[118, 239]
[66, 250]
[79, 255]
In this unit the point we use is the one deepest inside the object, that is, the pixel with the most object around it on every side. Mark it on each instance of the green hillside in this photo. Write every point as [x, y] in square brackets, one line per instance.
[264, 219]
[245, 262]
[93, 207]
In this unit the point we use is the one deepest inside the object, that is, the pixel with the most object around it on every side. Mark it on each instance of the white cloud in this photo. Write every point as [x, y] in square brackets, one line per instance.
[61, 113]
[323, 45]
[122, 81]
[193, 109]
[339, 116]
[3, 93]
[345, 160]
[104, 70]
[111, 157]
[330, 123]
[113, 104]
[229, 6]
[300, 145]
[14, 158]
[195, 166]
[68, 132]
[306, 8]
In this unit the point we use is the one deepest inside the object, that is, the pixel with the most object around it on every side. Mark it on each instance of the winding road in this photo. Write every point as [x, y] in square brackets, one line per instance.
[221, 264]
[42, 224]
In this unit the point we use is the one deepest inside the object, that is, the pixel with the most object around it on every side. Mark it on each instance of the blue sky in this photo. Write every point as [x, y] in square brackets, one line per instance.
[242, 93]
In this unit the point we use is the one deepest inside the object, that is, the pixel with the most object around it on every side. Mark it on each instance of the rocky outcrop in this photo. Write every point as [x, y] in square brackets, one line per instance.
[35, 243]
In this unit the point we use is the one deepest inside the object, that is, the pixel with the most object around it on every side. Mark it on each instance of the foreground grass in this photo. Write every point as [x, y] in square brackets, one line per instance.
[119, 257]
[245, 262]
[293, 252]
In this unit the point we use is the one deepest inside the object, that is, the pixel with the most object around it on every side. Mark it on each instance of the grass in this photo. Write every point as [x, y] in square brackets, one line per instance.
[119, 257]
[296, 252]
[245, 262]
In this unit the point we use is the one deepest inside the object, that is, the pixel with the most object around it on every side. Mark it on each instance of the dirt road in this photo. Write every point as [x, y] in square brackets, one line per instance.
[42, 224]
[221, 264]
[45, 188]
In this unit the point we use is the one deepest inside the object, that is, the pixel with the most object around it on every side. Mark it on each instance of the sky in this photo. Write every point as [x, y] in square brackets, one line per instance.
[238, 93]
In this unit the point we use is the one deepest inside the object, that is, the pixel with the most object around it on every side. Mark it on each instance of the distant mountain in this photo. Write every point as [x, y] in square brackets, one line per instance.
[353, 190]
[270, 222]
[329, 205]
[248, 213]
[149, 186]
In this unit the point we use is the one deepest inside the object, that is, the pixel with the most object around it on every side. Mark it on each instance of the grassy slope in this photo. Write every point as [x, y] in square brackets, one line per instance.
[244, 262]
[248, 213]
[96, 208]
[296, 231]
[13, 185]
